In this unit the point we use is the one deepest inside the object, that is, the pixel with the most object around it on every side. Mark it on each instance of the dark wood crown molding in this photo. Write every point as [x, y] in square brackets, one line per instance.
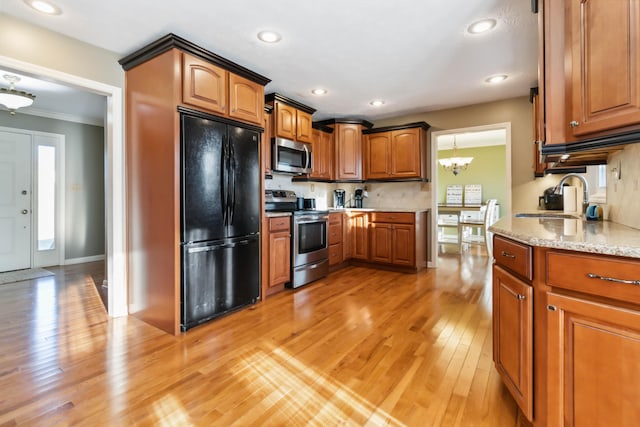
[423, 125]
[322, 128]
[268, 108]
[292, 102]
[171, 41]
[328, 122]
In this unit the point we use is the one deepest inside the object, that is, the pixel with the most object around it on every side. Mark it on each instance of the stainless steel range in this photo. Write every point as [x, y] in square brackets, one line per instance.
[309, 237]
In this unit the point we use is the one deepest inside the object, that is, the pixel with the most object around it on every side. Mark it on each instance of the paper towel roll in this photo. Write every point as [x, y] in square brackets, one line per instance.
[570, 227]
[570, 199]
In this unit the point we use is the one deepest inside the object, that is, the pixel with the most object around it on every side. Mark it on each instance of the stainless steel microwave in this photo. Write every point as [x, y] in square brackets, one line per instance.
[290, 156]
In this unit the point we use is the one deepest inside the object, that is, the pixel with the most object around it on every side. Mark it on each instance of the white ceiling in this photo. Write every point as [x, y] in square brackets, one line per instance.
[472, 139]
[414, 54]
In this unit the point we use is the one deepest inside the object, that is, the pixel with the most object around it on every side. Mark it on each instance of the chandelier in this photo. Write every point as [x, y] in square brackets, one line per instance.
[455, 163]
[12, 98]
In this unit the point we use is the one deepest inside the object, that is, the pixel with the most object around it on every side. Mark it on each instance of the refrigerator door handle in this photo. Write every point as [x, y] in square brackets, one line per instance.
[232, 187]
[217, 247]
[223, 193]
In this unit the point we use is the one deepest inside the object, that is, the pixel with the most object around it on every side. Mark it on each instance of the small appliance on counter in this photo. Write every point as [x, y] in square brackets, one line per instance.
[358, 196]
[551, 200]
[339, 196]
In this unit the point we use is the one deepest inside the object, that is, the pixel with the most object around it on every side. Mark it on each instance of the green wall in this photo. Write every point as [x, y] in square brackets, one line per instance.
[488, 168]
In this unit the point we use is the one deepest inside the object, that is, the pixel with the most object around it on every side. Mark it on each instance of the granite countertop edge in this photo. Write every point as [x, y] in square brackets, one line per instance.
[408, 210]
[598, 237]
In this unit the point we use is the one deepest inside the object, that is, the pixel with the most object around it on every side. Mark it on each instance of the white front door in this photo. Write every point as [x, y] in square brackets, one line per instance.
[15, 201]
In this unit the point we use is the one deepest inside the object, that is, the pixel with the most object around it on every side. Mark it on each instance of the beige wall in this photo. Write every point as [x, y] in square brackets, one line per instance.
[517, 111]
[36, 45]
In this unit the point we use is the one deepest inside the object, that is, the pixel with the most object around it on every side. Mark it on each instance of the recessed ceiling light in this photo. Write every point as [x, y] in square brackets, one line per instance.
[377, 103]
[496, 79]
[269, 36]
[319, 91]
[44, 7]
[481, 26]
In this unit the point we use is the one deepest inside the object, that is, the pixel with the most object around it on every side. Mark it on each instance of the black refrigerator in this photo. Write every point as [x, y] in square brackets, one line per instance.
[220, 214]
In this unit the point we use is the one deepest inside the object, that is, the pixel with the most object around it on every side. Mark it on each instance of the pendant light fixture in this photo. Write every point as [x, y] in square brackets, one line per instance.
[13, 98]
[455, 164]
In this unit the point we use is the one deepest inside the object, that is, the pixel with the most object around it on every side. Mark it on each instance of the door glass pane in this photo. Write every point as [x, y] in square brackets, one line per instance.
[46, 197]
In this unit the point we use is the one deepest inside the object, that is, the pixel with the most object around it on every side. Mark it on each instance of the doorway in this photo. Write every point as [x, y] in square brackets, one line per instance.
[477, 137]
[31, 199]
[114, 174]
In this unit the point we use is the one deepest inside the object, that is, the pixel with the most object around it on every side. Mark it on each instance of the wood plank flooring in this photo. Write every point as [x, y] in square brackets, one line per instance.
[361, 347]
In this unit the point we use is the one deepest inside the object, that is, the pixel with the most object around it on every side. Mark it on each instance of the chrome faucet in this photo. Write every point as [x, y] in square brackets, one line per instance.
[585, 188]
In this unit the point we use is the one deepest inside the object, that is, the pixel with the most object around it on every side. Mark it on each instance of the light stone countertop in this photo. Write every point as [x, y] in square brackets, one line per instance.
[277, 214]
[599, 237]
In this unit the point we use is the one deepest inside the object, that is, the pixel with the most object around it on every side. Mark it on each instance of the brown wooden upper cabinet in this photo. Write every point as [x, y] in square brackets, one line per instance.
[292, 120]
[591, 70]
[212, 88]
[397, 152]
[322, 153]
[348, 152]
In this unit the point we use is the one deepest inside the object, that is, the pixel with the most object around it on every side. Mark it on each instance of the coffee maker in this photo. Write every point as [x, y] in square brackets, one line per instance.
[339, 196]
[358, 196]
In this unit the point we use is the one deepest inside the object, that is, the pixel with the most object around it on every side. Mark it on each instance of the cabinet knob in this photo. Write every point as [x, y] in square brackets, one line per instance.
[521, 297]
[551, 307]
[574, 123]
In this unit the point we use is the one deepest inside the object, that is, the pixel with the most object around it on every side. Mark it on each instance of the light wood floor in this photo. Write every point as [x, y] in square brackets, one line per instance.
[360, 347]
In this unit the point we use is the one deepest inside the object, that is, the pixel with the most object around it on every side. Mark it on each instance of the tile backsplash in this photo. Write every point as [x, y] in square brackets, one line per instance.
[623, 194]
[411, 195]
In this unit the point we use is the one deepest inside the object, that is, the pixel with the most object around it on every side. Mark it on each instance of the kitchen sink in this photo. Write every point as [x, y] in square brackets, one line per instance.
[546, 215]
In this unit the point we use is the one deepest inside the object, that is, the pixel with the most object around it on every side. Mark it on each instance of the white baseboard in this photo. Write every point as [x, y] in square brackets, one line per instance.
[84, 259]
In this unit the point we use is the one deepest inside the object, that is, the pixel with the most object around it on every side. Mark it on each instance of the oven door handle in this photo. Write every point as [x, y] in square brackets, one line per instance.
[310, 222]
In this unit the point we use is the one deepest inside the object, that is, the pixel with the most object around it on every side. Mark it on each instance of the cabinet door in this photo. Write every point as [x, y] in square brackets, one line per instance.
[327, 154]
[405, 153]
[246, 99]
[204, 85]
[360, 237]
[279, 258]
[403, 245]
[321, 155]
[594, 373]
[513, 336]
[605, 69]
[303, 126]
[285, 121]
[348, 152]
[381, 238]
[377, 155]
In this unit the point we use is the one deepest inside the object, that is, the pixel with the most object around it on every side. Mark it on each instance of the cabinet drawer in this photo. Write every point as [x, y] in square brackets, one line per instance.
[335, 233]
[513, 256]
[395, 217]
[335, 254]
[279, 223]
[609, 277]
[335, 218]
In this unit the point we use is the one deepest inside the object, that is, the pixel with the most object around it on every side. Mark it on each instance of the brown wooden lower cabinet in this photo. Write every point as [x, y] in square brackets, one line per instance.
[513, 336]
[279, 251]
[360, 236]
[566, 334]
[594, 369]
